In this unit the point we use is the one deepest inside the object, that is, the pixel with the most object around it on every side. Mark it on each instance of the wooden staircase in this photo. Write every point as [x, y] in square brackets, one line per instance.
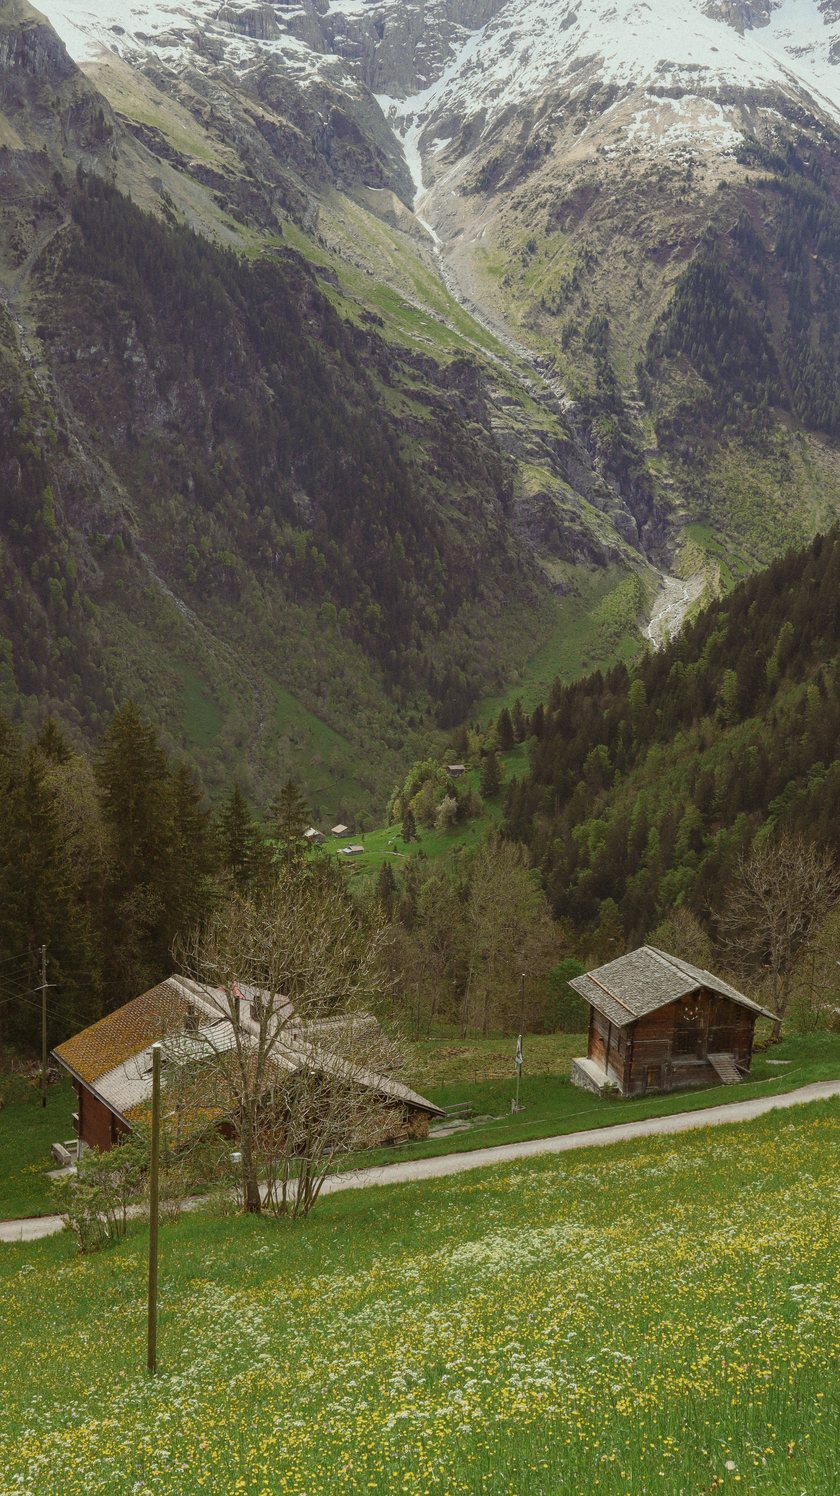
[726, 1068]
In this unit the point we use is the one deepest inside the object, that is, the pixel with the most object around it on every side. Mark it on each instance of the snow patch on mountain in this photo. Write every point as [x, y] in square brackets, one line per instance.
[526, 49]
[545, 44]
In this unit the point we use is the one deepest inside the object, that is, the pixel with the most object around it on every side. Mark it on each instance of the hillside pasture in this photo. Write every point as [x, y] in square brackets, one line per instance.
[658, 1317]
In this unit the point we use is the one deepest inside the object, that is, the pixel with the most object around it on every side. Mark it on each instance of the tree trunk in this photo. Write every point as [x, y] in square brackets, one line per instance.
[250, 1178]
[432, 1011]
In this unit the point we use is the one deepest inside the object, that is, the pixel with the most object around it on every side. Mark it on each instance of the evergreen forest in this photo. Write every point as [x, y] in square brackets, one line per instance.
[646, 784]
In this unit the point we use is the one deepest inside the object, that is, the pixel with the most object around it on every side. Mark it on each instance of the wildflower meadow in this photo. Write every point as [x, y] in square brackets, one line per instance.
[657, 1317]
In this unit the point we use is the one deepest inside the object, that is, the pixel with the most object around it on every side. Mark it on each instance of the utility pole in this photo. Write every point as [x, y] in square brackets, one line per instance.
[43, 1025]
[151, 1358]
[514, 1106]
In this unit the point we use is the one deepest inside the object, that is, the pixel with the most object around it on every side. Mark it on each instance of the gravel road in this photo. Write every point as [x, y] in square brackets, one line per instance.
[458, 1163]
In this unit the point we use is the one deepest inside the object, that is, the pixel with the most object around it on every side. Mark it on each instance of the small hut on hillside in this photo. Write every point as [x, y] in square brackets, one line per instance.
[657, 1023]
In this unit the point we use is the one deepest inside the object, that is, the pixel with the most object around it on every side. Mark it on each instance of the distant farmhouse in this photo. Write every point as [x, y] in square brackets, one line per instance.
[340, 830]
[455, 770]
[110, 1063]
[314, 837]
[657, 1023]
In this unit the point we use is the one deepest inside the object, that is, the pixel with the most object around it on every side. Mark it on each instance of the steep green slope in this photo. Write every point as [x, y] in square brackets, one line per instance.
[645, 785]
[687, 305]
[227, 468]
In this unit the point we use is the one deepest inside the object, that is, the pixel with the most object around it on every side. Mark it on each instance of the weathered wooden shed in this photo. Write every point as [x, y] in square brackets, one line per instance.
[657, 1023]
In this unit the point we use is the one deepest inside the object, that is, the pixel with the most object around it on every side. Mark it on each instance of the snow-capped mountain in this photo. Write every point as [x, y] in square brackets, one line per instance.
[441, 69]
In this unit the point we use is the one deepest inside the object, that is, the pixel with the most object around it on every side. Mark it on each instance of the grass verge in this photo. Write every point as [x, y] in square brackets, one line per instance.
[554, 1107]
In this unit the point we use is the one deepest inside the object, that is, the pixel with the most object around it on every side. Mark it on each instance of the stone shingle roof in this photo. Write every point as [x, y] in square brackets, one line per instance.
[648, 979]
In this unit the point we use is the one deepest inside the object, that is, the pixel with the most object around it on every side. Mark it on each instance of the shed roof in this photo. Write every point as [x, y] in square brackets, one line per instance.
[648, 979]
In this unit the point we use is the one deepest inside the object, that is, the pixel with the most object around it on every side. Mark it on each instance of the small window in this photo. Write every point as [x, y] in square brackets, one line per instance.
[653, 1077]
[254, 1014]
[191, 1020]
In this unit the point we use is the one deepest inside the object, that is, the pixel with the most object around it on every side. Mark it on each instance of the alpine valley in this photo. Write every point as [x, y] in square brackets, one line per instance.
[368, 363]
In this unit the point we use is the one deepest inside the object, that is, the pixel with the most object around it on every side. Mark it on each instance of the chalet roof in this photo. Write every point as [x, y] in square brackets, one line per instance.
[115, 1038]
[340, 830]
[648, 979]
[114, 1056]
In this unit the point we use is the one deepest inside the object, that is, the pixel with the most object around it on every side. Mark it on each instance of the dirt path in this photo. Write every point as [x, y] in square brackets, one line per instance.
[36, 1227]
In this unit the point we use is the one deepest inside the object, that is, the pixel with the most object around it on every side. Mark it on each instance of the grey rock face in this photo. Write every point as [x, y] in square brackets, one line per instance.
[259, 21]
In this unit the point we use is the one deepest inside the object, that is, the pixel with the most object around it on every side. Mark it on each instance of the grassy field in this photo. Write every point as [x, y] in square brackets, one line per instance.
[595, 628]
[385, 844]
[27, 1132]
[446, 1072]
[658, 1317]
[553, 1106]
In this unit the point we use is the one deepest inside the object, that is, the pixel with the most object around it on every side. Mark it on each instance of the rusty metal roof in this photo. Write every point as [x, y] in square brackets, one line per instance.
[648, 979]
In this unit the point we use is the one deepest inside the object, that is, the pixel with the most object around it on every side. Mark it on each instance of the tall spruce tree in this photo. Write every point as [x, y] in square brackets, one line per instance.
[193, 853]
[38, 907]
[289, 817]
[238, 840]
[137, 794]
[491, 775]
[504, 731]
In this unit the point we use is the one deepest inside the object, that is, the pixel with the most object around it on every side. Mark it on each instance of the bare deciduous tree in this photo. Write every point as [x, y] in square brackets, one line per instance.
[274, 972]
[508, 930]
[783, 890]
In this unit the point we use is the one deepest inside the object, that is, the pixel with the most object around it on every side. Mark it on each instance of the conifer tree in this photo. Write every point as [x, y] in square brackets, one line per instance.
[491, 775]
[504, 731]
[193, 861]
[290, 814]
[52, 742]
[238, 840]
[519, 722]
[136, 790]
[38, 907]
[409, 826]
[386, 887]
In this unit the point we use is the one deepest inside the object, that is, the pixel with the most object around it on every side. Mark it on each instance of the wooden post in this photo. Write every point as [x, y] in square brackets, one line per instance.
[151, 1359]
[516, 1107]
[43, 1025]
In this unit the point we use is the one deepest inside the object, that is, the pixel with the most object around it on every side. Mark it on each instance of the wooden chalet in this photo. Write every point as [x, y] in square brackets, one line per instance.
[657, 1023]
[110, 1063]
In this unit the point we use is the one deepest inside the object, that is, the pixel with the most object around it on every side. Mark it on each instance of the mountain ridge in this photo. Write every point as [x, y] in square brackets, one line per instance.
[540, 297]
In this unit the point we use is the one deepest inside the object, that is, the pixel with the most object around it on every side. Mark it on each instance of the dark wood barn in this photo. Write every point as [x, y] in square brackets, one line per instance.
[657, 1023]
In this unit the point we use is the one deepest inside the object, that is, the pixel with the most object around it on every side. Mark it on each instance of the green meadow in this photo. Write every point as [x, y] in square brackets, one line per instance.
[658, 1317]
[479, 1073]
